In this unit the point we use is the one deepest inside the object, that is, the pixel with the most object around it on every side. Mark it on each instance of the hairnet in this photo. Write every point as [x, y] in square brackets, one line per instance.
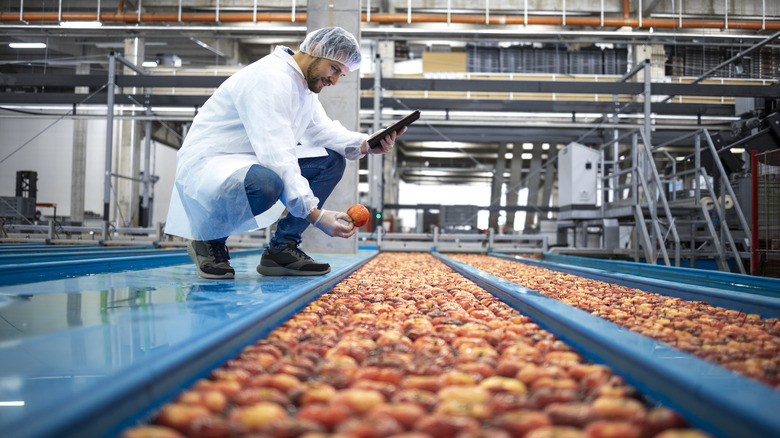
[333, 43]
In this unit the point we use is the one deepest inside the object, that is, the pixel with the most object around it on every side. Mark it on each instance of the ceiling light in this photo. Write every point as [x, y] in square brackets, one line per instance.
[149, 64]
[27, 45]
[738, 67]
[12, 403]
[81, 24]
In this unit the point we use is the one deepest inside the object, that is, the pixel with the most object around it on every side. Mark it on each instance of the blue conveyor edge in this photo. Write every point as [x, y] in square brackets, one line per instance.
[714, 399]
[109, 409]
[696, 277]
[735, 298]
[39, 271]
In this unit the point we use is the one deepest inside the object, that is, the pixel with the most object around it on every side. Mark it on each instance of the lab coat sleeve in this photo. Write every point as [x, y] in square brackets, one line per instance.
[266, 106]
[325, 132]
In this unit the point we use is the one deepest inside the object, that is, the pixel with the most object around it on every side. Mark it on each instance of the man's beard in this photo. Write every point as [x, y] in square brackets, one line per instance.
[315, 84]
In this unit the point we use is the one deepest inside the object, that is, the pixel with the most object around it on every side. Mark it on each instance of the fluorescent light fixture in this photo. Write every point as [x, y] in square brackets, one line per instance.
[27, 45]
[149, 64]
[11, 403]
[81, 24]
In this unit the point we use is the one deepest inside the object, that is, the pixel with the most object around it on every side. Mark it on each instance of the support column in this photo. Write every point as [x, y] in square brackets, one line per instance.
[79, 158]
[386, 51]
[515, 176]
[128, 158]
[549, 180]
[534, 178]
[341, 103]
[497, 187]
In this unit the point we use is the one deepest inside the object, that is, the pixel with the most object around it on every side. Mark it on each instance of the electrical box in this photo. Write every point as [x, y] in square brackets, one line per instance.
[577, 175]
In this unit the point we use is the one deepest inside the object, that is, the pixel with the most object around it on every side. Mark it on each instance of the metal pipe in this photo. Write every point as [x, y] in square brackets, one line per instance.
[648, 104]
[144, 216]
[754, 212]
[375, 162]
[109, 133]
[500, 20]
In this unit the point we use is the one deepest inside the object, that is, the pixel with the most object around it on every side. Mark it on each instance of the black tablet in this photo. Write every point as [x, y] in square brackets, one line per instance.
[374, 140]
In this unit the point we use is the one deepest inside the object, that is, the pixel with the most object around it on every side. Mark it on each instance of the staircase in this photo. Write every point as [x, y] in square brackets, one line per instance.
[694, 227]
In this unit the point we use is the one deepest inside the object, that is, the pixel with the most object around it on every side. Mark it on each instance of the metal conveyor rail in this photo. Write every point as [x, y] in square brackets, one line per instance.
[757, 301]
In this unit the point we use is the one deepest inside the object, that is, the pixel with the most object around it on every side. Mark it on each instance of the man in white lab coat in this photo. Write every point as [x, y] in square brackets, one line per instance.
[263, 143]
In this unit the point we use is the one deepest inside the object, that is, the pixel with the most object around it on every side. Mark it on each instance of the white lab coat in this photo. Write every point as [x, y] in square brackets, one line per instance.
[263, 114]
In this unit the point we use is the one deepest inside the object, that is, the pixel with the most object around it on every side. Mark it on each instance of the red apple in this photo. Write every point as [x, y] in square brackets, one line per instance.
[213, 400]
[327, 415]
[359, 214]
[150, 431]
[556, 432]
[445, 426]
[619, 409]
[612, 429]
[522, 421]
[405, 414]
[251, 396]
[370, 427]
[292, 427]
[179, 416]
[574, 414]
[425, 399]
[358, 400]
[497, 384]
[257, 417]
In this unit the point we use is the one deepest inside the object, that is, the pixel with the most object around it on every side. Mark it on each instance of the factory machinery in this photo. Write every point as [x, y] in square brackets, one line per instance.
[104, 341]
[690, 211]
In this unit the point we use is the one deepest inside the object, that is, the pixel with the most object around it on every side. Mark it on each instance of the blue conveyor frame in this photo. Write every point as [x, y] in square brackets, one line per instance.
[745, 293]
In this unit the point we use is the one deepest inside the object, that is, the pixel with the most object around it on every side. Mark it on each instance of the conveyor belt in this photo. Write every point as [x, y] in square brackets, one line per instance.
[739, 292]
[714, 399]
[91, 354]
[126, 342]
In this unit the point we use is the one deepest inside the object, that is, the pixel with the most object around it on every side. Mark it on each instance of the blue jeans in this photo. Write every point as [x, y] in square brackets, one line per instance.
[264, 187]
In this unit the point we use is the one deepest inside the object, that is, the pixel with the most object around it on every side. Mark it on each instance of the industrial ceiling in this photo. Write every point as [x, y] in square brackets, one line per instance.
[457, 143]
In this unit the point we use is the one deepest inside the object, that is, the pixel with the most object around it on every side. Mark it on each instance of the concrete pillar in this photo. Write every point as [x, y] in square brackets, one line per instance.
[497, 186]
[534, 179]
[341, 102]
[79, 158]
[515, 176]
[657, 56]
[128, 156]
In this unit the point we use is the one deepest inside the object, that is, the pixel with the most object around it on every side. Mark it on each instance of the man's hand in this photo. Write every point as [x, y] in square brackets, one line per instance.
[387, 143]
[333, 223]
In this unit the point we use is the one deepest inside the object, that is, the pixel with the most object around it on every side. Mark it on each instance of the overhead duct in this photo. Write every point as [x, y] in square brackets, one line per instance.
[501, 20]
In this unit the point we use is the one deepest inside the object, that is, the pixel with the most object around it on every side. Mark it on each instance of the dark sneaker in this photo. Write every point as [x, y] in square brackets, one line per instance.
[211, 258]
[289, 261]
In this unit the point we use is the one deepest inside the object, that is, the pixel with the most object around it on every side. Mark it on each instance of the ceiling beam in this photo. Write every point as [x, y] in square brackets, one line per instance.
[421, 84]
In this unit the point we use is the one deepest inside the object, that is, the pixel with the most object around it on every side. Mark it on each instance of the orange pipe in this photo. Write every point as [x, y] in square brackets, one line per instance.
[625, 9]
[394, 18]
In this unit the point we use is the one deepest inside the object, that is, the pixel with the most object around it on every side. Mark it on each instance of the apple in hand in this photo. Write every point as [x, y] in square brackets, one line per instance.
[359, 214]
